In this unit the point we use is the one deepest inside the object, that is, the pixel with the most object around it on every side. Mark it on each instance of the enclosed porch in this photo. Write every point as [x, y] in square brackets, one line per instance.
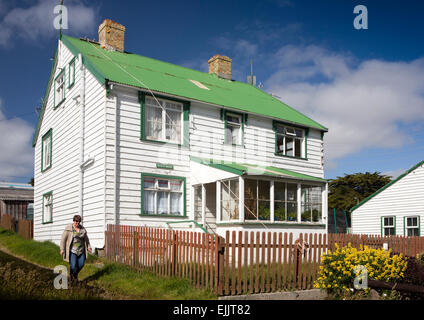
[242, 197]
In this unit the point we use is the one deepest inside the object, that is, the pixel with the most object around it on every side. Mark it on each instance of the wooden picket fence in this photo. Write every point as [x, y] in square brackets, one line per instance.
[24, 228]
[242, 262]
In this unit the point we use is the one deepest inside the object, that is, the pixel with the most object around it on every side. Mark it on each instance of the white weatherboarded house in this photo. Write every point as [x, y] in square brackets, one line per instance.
[125, 139]
[395, 209]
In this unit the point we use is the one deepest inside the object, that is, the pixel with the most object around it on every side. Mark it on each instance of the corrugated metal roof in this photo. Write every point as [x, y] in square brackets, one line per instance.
[11, 194]
[387, 185]
[138, 71]
[255, 170]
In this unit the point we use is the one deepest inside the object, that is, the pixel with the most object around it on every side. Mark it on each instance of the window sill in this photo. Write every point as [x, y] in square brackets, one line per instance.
[162, 215]
[234, 145]
[46, 169]
[290, 157]
[275, 223]
[58, 105]
[49, 222]
[164, 142]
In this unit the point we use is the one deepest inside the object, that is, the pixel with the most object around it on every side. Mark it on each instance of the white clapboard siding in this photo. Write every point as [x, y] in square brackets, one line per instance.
[112, 183]
[63, 177]
[207, 140]
[403, 198]
[136, 157]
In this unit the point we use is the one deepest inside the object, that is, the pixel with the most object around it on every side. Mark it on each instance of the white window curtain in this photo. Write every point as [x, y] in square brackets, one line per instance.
[162, 202]
[163, 120]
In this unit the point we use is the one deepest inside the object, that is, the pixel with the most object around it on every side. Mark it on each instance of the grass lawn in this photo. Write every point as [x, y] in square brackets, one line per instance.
[100, 279]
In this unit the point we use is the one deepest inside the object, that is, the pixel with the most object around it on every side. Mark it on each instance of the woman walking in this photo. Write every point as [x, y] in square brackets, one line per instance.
[74, 247]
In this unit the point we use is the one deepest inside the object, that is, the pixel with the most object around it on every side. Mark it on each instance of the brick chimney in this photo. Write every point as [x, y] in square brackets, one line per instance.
[221, 66]
[111, 35]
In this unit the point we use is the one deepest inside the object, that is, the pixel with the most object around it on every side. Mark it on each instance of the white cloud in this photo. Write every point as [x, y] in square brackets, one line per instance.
[36, 22]
[394, 173]
[16, 156]
[362, 103]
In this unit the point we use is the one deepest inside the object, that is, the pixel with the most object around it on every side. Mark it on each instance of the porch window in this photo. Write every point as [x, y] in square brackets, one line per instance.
[285, 201]
[163, 120]
[197, 202]
[163, 196]
[412, 226]
[47, 209]
[59, 89]
[257, 199]
[290, 141]
[46, 151]
[388, 226]
[311, 203]
[230, 200]
[233, 129]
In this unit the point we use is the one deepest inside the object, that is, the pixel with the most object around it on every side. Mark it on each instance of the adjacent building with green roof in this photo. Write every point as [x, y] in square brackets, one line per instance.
[395, 209]
[127, 139]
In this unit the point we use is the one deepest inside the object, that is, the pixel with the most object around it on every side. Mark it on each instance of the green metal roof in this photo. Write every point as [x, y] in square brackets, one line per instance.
[252, 169]
[387, 185]
[158, 76]
[138, 71]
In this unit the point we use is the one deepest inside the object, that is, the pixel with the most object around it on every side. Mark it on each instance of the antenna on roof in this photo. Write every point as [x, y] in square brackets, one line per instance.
[251, 79]
[60, 21]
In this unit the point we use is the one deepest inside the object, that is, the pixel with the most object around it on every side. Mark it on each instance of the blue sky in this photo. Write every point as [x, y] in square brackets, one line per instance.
[366, 86]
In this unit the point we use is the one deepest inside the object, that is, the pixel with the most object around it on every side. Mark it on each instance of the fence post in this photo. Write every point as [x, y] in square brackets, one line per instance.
[174, 253]
[220, 250]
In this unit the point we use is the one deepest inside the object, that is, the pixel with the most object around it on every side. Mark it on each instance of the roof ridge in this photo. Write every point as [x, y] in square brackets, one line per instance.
[387, 185]
[154, 59]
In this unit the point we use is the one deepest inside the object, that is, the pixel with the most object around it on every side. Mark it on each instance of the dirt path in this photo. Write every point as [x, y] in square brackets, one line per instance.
[23, 279]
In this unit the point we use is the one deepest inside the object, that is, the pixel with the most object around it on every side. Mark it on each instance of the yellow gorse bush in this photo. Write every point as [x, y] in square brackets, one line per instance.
[338, 267]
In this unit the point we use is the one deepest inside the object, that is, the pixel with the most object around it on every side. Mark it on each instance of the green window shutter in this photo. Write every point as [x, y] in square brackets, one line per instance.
[141, 100]
[186, 115]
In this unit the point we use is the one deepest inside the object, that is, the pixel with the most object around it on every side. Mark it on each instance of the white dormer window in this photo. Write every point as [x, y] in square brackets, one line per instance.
[59, 89]
[290, 141]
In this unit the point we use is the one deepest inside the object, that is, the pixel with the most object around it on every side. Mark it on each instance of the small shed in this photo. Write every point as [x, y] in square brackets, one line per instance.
[15, 198]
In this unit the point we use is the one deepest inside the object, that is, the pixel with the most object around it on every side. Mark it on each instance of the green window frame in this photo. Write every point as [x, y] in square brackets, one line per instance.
[57, 102]
[49, 197]
[406, 228]
[47, 136]
[157, 189]
[185, 133]
[243, 121]
[385, 224]
[71, 73]
[305, 134]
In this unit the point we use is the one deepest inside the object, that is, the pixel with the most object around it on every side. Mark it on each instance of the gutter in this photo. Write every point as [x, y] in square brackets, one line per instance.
[81, 134]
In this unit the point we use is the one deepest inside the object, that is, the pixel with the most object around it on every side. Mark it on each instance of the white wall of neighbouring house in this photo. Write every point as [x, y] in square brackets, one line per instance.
[404, 198]
[62, 179]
